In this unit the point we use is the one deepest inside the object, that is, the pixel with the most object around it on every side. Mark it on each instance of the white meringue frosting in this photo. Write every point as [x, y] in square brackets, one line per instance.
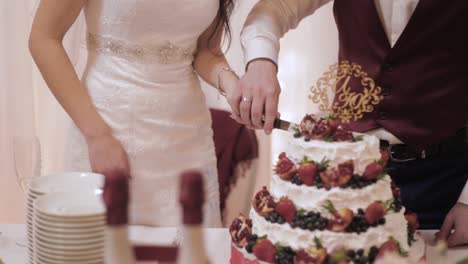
[296, 238]
[362, 152]
[311, 198]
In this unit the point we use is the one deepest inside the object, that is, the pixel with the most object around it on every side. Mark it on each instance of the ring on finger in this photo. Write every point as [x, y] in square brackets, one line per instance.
[245, 99]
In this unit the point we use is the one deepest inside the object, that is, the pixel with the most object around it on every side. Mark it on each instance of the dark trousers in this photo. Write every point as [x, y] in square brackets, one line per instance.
[430, 187]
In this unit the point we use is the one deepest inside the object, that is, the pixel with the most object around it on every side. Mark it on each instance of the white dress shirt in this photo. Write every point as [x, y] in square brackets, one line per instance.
[269, 20]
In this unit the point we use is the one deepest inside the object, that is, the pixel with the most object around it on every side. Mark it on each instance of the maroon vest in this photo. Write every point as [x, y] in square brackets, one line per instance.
[424, 77]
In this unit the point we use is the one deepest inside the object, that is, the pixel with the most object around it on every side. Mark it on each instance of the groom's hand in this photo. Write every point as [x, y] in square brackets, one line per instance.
[457, 220]
[259, 88]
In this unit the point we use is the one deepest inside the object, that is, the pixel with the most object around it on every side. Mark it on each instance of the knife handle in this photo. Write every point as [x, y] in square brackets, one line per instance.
[277, 123]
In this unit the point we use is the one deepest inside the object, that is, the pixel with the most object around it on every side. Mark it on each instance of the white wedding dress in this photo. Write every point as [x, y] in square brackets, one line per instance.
[140, 77]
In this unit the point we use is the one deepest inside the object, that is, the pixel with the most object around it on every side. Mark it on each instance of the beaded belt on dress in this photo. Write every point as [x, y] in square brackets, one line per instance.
[163, 53]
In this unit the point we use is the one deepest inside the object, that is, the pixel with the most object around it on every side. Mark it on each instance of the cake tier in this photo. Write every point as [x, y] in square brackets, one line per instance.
[417, 254]
[296, 238]
[362, 152]
[311, 198]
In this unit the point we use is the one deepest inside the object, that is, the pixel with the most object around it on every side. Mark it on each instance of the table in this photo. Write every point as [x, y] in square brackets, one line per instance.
[217, 243]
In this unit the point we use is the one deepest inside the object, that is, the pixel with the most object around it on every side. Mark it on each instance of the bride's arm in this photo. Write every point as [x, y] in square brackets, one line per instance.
[210, 61]
[52, 21]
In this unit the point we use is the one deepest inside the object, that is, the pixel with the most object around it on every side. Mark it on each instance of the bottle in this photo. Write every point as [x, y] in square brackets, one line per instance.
[191, 198]
[118, 249]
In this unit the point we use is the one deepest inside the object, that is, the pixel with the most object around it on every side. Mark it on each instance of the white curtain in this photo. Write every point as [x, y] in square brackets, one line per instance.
[19, 146]
[32, 124]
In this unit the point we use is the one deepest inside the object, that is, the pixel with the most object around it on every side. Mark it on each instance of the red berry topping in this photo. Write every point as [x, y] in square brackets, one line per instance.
[334, 124]
[412, 219]
[282, 155]
[263, 202]
[241, 230]
[372, 171]
[337, 177]
[286, 209]
[264, 250]
[342, 218]
[307, 125]
[395, 190]
[321, 130]
[384, 156]
[346, 168]
[307, 173]
[375, 212]
[303, 258]
[389, 246]
[341, 134]
[285, 168]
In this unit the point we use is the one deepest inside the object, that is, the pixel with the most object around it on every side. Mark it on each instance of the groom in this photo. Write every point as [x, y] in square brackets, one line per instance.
[416, 50]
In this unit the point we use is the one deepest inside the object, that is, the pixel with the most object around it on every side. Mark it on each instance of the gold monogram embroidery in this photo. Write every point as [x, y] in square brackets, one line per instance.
[347, 105]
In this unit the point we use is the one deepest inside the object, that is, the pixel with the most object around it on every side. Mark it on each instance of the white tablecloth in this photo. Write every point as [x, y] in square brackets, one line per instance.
[13, 251]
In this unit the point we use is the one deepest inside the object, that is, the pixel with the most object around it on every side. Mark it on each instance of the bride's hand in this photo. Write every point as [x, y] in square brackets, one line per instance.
[106, 154]
[230, 85]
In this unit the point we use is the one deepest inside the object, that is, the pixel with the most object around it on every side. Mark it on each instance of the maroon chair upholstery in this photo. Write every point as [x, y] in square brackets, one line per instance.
[235, 144]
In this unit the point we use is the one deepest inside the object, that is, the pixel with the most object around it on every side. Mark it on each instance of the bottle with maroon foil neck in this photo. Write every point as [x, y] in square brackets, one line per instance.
[118, 248]
[191, 199]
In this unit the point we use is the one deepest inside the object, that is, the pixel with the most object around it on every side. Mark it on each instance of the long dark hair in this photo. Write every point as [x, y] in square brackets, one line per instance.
[223, 17]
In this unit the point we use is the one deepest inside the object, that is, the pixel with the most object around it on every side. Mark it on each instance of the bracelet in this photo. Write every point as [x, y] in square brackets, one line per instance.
[221, 91]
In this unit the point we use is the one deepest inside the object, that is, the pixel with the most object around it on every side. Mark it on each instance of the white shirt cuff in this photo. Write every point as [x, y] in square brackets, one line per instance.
[464, 195]
[260, 48]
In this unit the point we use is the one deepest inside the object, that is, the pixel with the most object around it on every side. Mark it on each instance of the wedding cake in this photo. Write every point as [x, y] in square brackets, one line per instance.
[330, 201]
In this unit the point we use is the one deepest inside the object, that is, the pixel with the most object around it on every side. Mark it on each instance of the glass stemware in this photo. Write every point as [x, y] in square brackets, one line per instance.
[27, 161]
[26, 165]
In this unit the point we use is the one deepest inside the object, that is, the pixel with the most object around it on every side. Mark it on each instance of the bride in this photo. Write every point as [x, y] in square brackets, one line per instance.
[139, 107]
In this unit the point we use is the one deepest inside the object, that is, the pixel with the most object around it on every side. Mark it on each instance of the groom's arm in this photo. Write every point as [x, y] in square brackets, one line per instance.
[268, 21]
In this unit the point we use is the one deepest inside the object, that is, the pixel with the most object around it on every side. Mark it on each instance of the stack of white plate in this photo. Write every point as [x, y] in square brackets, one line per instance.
[83, 183]
[30, 223]
[69, 228]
